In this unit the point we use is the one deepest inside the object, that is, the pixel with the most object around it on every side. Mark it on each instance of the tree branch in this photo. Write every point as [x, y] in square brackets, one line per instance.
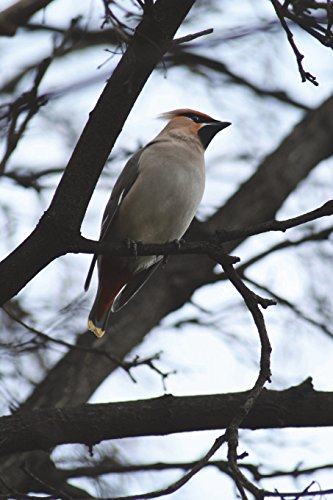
[322, 235]
[19, 14]
[305, 75]
[299, 406]
[211, 246]
[296, 310]
[112, 466]
[192, 60]
[252, 302]
[193, 36]
[176, 485]
[125, 365]
[30, 102]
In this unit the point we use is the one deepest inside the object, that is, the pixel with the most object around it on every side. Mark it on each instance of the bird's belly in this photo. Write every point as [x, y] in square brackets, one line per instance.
[161, 208]
[160, 205]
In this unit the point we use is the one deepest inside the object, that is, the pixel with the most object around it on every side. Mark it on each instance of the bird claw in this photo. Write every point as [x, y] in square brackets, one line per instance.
[132, 245]
[178, 243]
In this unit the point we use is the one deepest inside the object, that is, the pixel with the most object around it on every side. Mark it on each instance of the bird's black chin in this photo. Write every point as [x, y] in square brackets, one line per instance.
[208, 132]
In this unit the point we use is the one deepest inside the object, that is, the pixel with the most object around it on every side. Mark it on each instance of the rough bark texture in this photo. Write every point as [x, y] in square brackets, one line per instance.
[299, 406]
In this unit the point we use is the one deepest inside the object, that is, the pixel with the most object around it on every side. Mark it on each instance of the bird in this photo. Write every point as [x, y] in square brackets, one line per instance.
[154, 200]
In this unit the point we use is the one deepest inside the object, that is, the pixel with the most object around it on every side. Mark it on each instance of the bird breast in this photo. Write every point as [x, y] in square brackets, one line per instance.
[164, 198]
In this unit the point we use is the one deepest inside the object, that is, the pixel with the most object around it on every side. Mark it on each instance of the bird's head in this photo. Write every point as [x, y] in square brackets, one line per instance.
[194, 123]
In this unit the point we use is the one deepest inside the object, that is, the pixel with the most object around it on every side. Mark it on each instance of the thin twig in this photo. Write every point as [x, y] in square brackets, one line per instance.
[276, 225]
[30, 179]
[294, 495]
[109, 466]
[305, 75]
[252, 302]
[15, 134]
[47, 486]
[200, 63]
[192, 36]
[125, 365]
[184, 479]
[282, 300]
[284, 245]
[30, 101]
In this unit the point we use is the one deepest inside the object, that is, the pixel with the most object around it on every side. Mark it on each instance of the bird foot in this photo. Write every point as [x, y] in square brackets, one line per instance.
[132, 245]
[178, 243]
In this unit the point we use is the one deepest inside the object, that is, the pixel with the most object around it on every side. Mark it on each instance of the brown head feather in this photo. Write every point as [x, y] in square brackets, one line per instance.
[185, 112]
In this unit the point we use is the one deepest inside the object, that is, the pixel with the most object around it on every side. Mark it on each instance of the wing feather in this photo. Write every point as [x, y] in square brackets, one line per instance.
[133, 286]
[122, 186]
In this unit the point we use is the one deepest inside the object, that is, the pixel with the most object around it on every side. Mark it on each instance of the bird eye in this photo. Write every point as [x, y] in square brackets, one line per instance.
[195, 118]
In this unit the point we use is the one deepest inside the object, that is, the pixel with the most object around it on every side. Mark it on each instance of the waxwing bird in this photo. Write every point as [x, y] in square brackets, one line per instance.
[154, 201]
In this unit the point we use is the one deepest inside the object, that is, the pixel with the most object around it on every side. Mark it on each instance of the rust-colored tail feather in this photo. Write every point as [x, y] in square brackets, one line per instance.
[113, 277]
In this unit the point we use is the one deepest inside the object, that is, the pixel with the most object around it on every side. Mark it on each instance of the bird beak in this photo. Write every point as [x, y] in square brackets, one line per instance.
[207, 132]
[221, 125]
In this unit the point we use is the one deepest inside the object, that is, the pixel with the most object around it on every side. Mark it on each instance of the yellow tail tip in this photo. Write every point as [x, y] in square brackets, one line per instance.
[99, 332]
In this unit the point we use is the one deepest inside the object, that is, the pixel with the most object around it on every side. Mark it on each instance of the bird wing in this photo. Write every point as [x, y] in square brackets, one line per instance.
[122, 186]
[135, 283]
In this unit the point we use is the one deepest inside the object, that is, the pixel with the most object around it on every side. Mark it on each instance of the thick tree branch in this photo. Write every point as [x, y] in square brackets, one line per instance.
[299, 406]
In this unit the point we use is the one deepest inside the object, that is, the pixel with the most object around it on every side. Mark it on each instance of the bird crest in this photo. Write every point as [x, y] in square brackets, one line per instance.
[196, 116]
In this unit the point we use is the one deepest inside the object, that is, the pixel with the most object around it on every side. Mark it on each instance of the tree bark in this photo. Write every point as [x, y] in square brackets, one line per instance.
[42, 429]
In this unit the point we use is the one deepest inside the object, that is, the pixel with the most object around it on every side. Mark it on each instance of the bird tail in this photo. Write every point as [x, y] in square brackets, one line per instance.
[112, 280]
